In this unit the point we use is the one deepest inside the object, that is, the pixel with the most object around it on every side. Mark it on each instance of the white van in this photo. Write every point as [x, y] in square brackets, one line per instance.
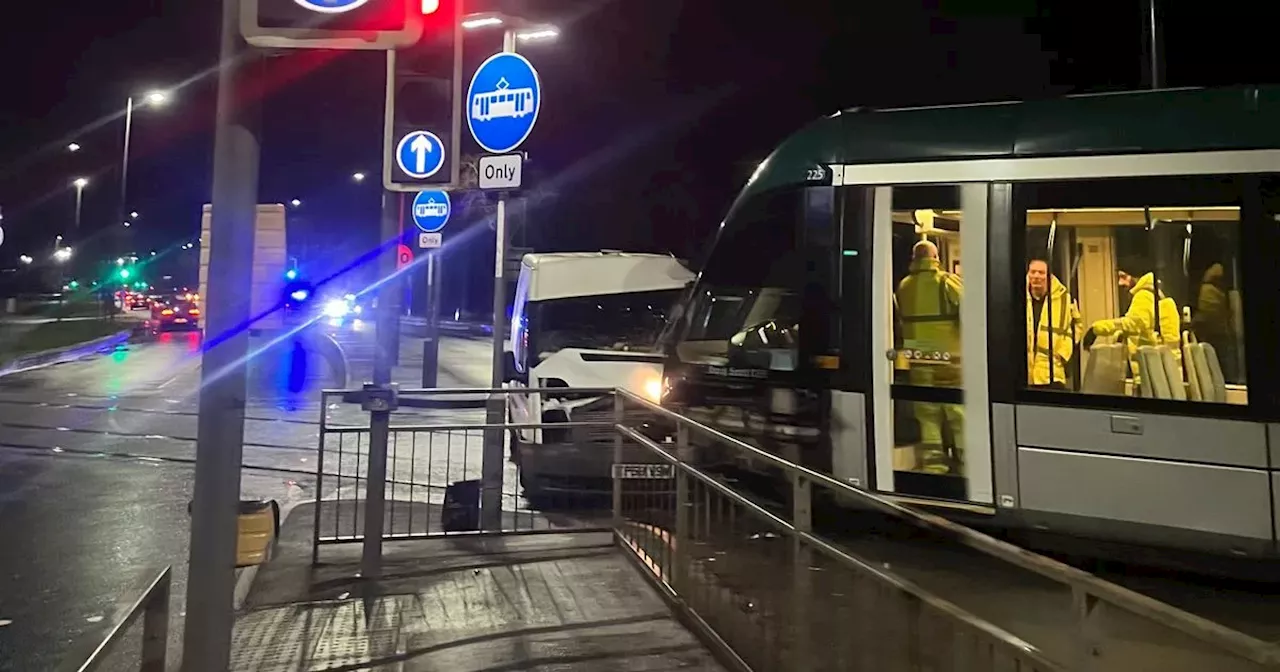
[584, 320]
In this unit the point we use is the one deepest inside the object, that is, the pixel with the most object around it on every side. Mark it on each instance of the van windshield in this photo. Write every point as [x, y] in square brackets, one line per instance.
[608, 321]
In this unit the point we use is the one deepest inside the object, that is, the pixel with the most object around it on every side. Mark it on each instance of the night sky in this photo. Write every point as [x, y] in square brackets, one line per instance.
[656, 111]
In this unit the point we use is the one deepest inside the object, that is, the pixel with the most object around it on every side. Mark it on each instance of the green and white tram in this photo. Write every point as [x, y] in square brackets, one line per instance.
[1164, 435]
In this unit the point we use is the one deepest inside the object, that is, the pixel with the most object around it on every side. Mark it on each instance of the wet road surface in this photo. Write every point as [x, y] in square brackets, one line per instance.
[96, 465]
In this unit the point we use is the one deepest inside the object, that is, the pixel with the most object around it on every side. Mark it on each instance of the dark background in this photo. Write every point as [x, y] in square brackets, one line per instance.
[656, 111]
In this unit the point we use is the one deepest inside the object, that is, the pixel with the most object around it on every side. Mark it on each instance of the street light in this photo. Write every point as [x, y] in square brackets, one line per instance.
[295, 202]
[126, 224]
[358, 177]
[516, 27]
[537, 34]
[73, 147]
[481, 21]
[25, 260]
[133, 215]
[62, 255]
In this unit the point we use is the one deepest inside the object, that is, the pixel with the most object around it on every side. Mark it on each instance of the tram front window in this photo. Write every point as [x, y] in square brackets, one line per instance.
[747, 306]
[1140, 301]
[754, 328]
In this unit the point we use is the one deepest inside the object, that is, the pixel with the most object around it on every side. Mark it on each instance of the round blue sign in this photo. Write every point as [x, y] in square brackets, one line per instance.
[503, 102]
[420, 154]
[431, 210]
[331, 6]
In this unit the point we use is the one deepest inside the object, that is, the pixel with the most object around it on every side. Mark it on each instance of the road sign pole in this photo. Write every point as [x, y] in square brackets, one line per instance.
[496, 409]
[431, 343]
[492, 462]
[220, 425]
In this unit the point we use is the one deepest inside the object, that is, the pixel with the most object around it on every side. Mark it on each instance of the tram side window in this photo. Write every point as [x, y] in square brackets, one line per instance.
[1140, 301]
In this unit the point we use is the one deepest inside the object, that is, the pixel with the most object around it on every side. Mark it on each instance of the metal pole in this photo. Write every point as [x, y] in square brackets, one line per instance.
[431, 343]
[1154, 61]
[491, 468]
[220, 425]
[79, 200]
[492, 461]
[387, 338]
[124, 170]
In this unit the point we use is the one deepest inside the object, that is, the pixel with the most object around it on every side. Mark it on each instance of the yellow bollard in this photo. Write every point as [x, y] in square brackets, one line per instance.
[257, 527]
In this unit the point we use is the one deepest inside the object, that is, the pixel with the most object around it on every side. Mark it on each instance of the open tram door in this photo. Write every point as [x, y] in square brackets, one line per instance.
[931, 412]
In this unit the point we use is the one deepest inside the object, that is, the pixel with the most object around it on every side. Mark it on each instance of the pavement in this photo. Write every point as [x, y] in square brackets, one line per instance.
[567, 602]
[96, 462]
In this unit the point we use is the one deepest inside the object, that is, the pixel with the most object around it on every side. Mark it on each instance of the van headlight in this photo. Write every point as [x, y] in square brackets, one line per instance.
[653, 389]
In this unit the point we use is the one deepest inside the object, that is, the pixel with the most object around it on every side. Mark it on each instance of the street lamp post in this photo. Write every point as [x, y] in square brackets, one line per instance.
[153, 99]
[80, 183]
[491, 466]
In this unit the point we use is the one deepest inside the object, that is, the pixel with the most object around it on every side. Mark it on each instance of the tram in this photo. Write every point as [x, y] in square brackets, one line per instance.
[1151, 431]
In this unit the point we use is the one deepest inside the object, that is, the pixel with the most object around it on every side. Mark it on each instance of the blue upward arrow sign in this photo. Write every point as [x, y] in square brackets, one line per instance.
[421, 146]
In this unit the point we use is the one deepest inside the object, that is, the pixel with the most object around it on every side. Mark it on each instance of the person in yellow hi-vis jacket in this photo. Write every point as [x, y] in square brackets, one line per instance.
[1053, 327]
[1139, 322]
[929, 305]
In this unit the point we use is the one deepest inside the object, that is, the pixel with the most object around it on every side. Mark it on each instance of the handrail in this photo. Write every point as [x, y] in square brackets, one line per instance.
[501, 391]
[152, 603]
[1203, 629]
[591, 424]
[846, 558]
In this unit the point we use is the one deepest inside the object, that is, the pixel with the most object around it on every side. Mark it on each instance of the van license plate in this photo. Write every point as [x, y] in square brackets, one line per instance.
[643, 471]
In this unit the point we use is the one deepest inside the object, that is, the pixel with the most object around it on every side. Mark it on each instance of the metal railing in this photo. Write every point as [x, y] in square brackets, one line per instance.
[896, 625]
[758, 580]
[152, 605]
[434, 466]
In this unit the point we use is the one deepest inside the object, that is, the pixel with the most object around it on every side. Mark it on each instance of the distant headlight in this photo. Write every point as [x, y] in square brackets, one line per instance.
[336, 309]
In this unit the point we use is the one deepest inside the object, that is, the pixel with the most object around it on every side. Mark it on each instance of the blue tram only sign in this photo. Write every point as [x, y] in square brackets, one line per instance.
[431, 210]
[503, 102]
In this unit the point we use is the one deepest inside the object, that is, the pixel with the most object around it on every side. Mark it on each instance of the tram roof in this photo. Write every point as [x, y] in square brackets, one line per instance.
[1171, 120]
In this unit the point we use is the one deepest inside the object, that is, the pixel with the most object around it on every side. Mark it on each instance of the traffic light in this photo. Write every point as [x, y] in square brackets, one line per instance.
[333, 24]
[424, 87]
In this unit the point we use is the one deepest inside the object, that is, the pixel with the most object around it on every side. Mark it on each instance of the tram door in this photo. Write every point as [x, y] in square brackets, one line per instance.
[931, 418]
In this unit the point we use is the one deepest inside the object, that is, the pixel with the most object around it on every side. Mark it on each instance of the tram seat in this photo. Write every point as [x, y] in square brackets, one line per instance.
[1159, 377]
[1104, 371]
[1197, 387]
[1205, 374]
